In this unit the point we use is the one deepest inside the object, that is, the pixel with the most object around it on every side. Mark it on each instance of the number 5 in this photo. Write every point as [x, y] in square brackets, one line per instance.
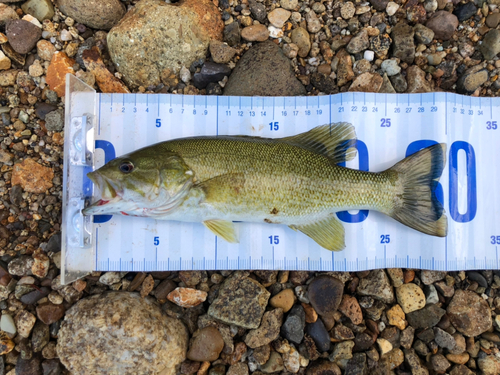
[157, 241]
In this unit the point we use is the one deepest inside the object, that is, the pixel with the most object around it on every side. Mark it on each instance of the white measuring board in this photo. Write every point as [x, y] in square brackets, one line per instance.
[388, 127]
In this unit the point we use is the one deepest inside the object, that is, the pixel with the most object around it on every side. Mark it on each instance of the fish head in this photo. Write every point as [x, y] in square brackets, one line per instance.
[143, 183]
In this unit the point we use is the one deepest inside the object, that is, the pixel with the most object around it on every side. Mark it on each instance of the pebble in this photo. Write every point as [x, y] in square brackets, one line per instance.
[241, 301]
[440, 363]
[40, 9]
[469, 313]
[6, 345]
[403, 44]
[444, 289]
[342, 351]
[33, 297]
[187, 297]
[416, 80]
[59, 66]
[460, 359]
[414, 362]
[384, 346]
[300, 37]
[278, 17]
[410, 297]
[431, 295]
[6, 14]
[210, 72]
[221, 52]
[7, 324]
[376, 284]
[396, 317]
[423, 34]
[40, 336]
[163, 289]
[291, 360]
[493, 20]
[443, 24]
[313, 23]
[430, 277]
[239, 368]
[50, 313]
[395, 274]
[207, 345]
[110, 278]
[320, 335]
[429, 316]
[24, 323]
[22, 35]
[465, 11]
[391, 67]
[359, 43]
[97, 14]
[258, 11]
[293, 327]
[325, 294]
[32, 177]
[232, 34]
[356, 365]
[45, 50]
[255, 33]
[489, 365]
[379, 5]
[350, 308]
[491, 44]
[5, 62]
[323, 367]
[347, 10]
[274, 364]
[391, 8]
[106, 81]
[284, 300]
[268, 330]
[444, 339]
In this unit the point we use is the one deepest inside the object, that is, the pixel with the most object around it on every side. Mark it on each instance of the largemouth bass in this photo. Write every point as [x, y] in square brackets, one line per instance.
[293, 181]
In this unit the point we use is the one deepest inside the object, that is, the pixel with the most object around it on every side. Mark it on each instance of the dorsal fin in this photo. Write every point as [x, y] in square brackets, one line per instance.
[334, 140]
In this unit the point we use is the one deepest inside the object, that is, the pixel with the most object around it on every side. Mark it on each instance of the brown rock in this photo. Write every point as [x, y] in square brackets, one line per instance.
[443, 23]
[50, 313]
[255, 33]
[396, 317]
[6, 14]
[262, 353]
[24, 323]
[311, 314]
[268, 330]
[344, 70]
[32, 177]
[469, 313]
[59, 66]
[147, 286]
[207, 345]
[163, 289]
[416, 80]
[187, 297]
[41, 265]
[137, 281]
[367, 82]
[8, 77]
[350, 308]
[460, 359]
[106, 81]
[22, 35]
[323, 367]
[325, 294]
[284, 300]
[6, 344]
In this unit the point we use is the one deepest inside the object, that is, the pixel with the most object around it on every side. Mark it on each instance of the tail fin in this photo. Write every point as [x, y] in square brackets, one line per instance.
[418, 206]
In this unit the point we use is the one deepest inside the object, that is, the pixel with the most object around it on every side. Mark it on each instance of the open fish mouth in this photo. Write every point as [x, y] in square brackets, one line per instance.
[110, 197]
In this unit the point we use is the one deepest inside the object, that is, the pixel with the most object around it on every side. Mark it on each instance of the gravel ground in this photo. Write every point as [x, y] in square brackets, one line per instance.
[394, 321]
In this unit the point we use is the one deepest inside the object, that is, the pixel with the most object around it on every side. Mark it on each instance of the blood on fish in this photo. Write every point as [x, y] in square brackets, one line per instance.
[102, 202]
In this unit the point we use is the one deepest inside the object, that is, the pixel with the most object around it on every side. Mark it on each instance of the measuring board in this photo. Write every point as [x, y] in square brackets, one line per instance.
[388, 126]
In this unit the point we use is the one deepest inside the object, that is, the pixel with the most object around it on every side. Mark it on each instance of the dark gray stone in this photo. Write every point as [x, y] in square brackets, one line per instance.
[379, 5]
[232, 34]
[29, 366]
[16, 195]
[427, 317]
[40, 336]
[52, 367]
[320, 335]
[403, 45]
[42, 108]
[399, 82]
[264, 71]
[325, 294]
[470, 81]
[356, 365]
[210, 73]
[54, 244]
[33, 297]
[258, 11]
[293, 327]
[477, 277]
[465, 11]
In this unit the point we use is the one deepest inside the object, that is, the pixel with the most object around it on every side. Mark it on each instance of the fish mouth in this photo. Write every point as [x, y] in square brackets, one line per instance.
[110, 196]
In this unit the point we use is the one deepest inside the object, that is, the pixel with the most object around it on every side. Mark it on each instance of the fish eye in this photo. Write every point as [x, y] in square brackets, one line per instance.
[126, 167]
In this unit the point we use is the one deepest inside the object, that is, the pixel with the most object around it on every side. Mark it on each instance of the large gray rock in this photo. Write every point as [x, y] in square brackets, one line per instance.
[156, 39]
[491, 44]
[120, 333]
[403, 45]
[264, 71]
[98, 14]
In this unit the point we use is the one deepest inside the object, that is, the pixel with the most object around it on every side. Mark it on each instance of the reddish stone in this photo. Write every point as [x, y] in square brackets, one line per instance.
[33, 177]
[187, 297]
[106, 81]
[50, 313]
[59, 66]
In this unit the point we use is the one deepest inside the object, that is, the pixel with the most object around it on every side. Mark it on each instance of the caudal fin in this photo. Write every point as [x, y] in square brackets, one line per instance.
[417, 206]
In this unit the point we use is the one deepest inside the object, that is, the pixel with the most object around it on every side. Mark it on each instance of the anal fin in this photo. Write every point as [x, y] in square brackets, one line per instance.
[222, 228]
[328, 233]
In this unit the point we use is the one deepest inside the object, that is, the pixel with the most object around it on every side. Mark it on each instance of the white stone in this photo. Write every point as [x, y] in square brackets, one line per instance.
[185, 74]
[369, 55]
[33, 20]
[110, 278]
[278, 17]
[7, 324]
[291, 360]
[431, 295]
[391, 67]
[66, 35]
[274, 32]
[391, 8]
[384, 345]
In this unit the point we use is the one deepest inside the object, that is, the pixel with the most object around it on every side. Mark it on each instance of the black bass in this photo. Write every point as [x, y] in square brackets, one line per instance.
[293, 181]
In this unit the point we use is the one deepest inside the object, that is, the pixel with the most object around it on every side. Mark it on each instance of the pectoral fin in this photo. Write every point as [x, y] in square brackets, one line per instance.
[223, 188]
[222, 228]
[328, 233]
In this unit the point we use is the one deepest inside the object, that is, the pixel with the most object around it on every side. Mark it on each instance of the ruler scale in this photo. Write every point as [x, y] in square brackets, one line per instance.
[388, 126]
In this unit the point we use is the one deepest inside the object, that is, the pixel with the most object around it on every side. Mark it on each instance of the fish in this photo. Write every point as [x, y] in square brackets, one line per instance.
[294, 181]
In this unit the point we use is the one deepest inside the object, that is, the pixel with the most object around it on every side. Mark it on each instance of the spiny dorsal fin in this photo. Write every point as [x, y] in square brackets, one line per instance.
[222, 228]
[328, 233]
[332, 140]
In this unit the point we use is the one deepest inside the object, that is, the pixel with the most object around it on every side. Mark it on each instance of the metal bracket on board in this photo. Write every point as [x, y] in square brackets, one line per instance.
[79, 136]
